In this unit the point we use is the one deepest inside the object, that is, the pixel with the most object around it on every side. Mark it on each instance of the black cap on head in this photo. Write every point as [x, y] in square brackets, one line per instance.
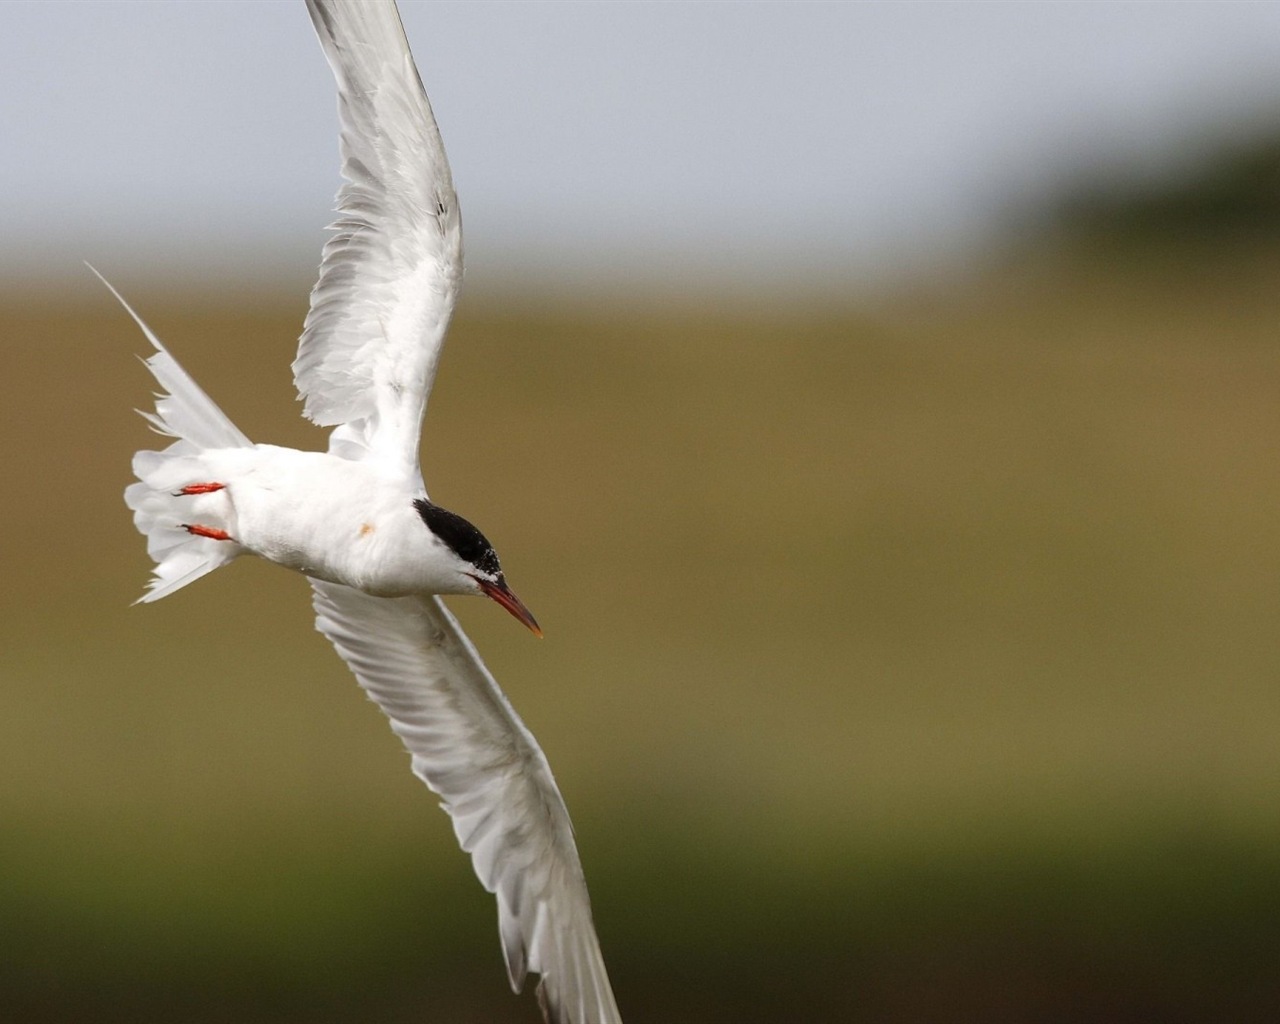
[464, 540]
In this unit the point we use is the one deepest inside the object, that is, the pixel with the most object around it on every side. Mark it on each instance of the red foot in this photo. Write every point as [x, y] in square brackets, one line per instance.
[207, 531]
[200, 489]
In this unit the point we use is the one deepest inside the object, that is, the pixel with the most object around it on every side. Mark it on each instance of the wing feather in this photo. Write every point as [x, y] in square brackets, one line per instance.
[391, 273]
[470, 747]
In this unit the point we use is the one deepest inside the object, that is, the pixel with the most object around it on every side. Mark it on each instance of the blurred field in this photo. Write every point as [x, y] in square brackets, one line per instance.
[910, 660]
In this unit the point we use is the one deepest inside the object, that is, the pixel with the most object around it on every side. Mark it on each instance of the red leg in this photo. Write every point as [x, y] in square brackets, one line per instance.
[206, 531]
[201, 488]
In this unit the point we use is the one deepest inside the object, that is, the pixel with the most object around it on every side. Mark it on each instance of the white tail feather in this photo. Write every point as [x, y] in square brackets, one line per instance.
[183, 411]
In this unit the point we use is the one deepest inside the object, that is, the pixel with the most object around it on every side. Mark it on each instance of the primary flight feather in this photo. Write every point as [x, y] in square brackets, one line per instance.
[357, 519]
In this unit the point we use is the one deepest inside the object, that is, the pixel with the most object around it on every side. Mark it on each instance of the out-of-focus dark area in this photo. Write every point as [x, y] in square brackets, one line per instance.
[912, 658]
[1224, 197]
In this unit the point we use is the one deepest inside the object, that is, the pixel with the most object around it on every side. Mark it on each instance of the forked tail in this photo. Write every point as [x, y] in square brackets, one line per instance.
[161, 508]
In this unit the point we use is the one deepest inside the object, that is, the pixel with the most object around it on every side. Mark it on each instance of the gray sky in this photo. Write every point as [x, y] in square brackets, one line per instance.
[760, 142]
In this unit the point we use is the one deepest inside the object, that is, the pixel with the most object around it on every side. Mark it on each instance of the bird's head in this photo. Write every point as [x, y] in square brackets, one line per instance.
[476, 562]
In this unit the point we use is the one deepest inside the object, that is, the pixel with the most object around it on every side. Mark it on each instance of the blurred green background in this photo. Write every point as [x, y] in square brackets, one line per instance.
[910, 656]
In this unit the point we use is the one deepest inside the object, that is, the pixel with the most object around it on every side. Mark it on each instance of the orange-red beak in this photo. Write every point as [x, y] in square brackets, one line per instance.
[501, 593]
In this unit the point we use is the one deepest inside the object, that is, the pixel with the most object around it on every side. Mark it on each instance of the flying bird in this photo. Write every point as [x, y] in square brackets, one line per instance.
[357, 519]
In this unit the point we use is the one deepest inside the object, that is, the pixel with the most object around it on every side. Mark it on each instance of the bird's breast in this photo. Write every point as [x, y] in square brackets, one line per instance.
[331, 518]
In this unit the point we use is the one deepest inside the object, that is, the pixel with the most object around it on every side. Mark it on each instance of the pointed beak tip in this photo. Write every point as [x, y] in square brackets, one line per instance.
[529, 621]
[502, 595]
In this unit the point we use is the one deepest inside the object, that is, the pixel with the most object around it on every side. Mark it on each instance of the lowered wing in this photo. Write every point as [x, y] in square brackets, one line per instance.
[471, 749]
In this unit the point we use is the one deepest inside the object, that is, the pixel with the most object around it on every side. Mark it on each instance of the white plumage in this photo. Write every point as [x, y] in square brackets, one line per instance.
[356, 520]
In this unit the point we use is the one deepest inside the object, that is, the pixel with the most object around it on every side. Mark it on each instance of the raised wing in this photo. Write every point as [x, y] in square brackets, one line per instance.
[471, 748]
[390, 276]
